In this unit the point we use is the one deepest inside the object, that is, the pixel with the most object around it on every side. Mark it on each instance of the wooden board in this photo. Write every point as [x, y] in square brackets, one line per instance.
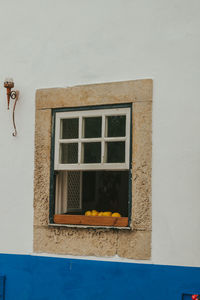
[90, 220]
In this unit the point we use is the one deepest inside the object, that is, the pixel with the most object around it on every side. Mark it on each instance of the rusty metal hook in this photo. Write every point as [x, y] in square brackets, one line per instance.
[14, 95]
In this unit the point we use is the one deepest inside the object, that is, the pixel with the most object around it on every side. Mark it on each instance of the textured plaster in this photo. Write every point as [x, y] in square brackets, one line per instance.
[42, 166]
[142, 153]
[76, 241]
[134, 243]
[95, 94]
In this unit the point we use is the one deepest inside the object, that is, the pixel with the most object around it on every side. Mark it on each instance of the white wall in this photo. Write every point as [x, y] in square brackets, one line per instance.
[46, 43]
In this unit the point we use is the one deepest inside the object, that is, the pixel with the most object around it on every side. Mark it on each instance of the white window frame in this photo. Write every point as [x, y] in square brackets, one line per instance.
[103, 139]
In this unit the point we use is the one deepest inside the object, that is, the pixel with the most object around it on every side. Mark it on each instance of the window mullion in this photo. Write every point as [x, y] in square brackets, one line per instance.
[127, 143]
[115, 139]
[68, 141]
[79, 136]
[90, 140]
[103, 136]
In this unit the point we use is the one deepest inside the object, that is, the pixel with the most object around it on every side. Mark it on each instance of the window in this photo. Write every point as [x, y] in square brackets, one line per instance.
[92, 166]
[85, 185]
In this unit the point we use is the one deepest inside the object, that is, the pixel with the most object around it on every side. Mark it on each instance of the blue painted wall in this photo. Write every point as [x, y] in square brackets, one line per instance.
[46, 278]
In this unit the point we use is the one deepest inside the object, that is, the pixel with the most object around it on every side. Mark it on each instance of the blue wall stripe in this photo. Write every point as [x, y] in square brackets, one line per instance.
[45, 278]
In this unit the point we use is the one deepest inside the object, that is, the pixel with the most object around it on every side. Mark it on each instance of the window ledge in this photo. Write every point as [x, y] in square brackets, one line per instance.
[91, 220]
[89, 226]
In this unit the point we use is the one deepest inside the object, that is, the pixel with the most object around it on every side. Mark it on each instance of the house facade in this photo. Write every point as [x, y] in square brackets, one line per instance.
[100, 185]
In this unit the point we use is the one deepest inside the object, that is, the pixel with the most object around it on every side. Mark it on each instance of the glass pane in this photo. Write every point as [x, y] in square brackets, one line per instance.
[69, 153]
[92, 152]
[115, 152]
[92, 127]
[73, 190]
[69, 129]
[105, 191]
[116, 126]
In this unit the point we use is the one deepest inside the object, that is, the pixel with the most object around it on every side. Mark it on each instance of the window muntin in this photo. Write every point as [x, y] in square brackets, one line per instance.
[92, 140]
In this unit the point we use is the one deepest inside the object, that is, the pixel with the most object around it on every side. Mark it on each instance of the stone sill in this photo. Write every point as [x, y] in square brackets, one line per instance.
[89, 227]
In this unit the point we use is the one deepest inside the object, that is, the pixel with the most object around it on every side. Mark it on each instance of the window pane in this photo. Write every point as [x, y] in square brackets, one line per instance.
[116, 126]
[73, 190]
[115, 152]
[69, 153]
[92, 127]
[113, 191]
[92, 152]
[69, 129]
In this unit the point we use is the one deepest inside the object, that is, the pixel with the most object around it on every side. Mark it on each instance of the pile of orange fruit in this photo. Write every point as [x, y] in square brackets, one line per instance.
[95, 213]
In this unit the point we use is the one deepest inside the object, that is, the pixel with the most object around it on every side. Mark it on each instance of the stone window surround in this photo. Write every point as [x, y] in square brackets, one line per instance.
[134, 243]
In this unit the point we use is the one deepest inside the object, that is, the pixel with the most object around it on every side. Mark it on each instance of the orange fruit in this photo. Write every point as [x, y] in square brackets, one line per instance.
[94, 213]
[107, 214]
[116, 215]
[88, 213]
[100, 214]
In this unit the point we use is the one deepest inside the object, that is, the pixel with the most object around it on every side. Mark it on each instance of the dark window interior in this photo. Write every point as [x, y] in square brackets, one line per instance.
[105, 191]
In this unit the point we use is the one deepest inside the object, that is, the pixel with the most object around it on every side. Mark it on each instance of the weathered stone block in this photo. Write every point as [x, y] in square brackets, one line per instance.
[134, 244]
[42, 166]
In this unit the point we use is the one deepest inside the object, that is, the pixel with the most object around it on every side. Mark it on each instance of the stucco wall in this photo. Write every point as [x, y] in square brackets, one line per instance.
[44, 45]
